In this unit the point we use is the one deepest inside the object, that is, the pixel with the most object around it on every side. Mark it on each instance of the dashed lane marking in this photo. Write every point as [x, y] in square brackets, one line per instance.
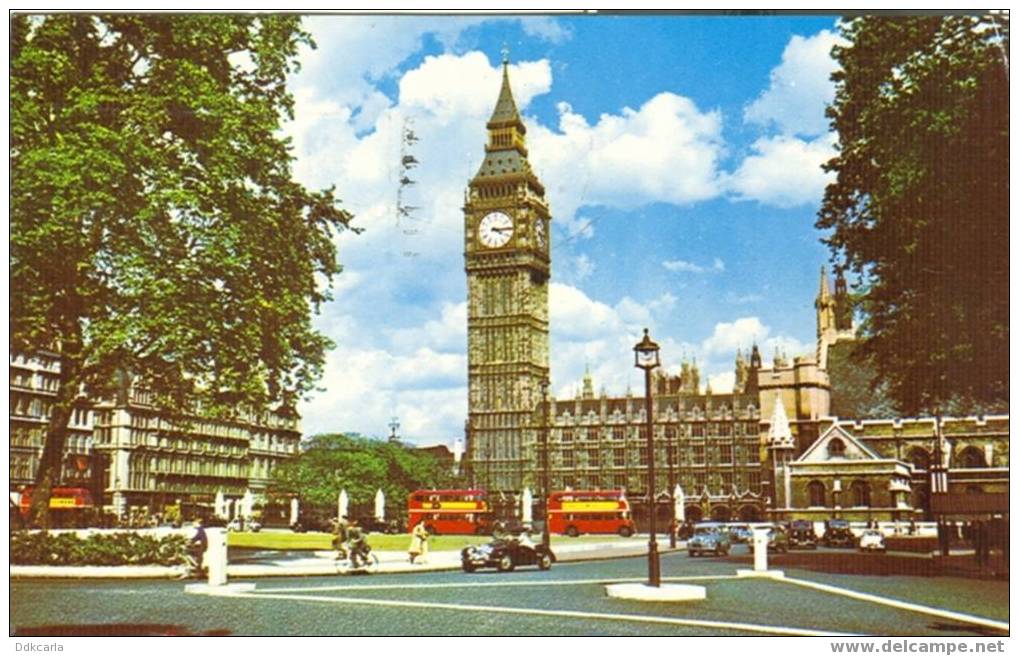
[582, 615]
[895, 603]
[488, 584]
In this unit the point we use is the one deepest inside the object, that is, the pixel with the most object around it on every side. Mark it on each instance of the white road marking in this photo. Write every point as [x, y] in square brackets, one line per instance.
[583, 615]
[490, 584]
[895, 603]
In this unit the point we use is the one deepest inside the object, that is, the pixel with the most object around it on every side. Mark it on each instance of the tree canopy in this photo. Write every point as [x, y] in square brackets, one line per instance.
[919, 207]
[156, 229]
[330, 463]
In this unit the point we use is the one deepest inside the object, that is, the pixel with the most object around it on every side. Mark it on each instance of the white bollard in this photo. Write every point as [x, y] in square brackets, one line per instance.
[760, 550]
[215, 555]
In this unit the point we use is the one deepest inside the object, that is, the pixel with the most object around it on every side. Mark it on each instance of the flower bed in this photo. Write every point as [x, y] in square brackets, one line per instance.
[120, 548]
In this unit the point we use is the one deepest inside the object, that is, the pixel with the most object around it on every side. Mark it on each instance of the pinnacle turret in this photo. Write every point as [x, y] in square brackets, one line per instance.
[505, 112]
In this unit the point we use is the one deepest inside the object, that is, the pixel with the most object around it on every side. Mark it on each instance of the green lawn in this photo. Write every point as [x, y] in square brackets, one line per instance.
[380, 542]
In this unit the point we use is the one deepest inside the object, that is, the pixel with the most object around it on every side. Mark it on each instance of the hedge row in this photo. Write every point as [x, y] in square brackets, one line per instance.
[42, 548]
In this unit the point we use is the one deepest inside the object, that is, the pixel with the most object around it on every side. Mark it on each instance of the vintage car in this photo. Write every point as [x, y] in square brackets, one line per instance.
[708, 540]
[740, 534]
[837, 534]
[505, 554]
[872, 540]
[801, 534]
[778, 539]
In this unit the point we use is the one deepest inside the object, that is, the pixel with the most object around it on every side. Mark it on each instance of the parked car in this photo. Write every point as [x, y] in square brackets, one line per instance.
[740, 533]
[872, 540]
[837, 534]
[708, 539]
[801, 534]
[505, 554]
[778, 539]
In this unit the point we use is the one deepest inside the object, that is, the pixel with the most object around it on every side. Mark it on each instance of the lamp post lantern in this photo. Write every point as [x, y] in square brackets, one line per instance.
[645, 355]
[546, 538]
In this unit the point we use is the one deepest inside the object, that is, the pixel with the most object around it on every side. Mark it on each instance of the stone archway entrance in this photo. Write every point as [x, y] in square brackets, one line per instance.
[694, 513]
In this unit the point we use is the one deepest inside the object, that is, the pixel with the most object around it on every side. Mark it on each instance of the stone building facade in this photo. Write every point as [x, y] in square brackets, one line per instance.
[770, 448]
[134, 458]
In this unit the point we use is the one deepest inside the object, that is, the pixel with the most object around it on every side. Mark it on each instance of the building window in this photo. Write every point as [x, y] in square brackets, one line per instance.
[698, 454]
[836, 448]
[754, 477]
[670, 432]
[592, 434]
[567, 436]
[725, 430]
[817, 493]
[697, 430]
[861, 493]
[971, 458]
[568, 459]
[619, 457]
[642, 456]
[592, 457]
[726, 450]
[920, 458]
[618, 433]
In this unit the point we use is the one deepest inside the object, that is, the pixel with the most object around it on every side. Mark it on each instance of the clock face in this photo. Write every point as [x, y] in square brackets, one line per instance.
[539, 233]
[495, 229]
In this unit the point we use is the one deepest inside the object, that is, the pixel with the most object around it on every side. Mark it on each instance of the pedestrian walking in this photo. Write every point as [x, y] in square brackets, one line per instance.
[418, 543]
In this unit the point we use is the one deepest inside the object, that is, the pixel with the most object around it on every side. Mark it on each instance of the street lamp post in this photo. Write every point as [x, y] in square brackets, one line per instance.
[546, 538]
[671, 454]
[646, 358]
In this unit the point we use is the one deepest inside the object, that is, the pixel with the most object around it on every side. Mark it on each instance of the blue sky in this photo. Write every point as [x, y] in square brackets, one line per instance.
[682, 161]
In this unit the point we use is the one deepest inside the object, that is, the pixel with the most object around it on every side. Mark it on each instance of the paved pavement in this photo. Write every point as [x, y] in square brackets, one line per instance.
[569, 599]
[256, 564]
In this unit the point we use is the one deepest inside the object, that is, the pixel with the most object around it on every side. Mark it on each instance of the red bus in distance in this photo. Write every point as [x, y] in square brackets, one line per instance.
[69, 506]
[449, 512]
[590, 511]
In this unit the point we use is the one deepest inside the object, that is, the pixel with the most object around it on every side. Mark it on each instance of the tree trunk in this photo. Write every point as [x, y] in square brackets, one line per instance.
[51, 461]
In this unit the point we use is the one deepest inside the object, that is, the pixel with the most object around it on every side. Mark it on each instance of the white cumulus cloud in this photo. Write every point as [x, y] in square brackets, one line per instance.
[665, 151]
[784, 171]
[800, 87]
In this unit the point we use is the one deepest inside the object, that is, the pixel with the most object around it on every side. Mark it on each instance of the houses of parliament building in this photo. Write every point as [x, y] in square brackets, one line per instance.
[772, 447]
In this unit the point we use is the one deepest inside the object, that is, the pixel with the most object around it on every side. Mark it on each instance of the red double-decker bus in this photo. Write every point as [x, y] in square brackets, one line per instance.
[69, 506]
[446, 512]
[590, 511]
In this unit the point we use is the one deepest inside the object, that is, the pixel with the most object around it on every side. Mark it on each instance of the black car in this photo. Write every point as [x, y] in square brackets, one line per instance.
[505, 554]
[837, 534]
[801, 534]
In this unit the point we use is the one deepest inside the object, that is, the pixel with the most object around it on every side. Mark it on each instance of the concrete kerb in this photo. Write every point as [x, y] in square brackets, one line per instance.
[320, 563]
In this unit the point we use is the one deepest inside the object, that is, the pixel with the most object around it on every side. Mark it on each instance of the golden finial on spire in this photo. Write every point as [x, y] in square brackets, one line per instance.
[505, 53]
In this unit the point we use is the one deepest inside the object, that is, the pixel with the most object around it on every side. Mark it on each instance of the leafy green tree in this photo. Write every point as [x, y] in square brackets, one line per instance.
[919, 209]
[156, 230]
[330, 463]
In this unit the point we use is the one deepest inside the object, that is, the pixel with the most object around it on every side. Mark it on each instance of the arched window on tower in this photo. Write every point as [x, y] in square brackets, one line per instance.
[836, 448]
[817, 493]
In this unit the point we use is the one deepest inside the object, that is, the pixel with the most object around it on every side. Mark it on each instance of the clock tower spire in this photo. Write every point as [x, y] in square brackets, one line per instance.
[507, 262]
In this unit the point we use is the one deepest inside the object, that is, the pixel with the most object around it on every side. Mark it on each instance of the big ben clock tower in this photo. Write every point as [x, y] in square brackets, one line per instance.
[506, 254]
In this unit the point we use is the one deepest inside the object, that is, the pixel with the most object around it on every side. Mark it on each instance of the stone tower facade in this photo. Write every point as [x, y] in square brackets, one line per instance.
[507, 261]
